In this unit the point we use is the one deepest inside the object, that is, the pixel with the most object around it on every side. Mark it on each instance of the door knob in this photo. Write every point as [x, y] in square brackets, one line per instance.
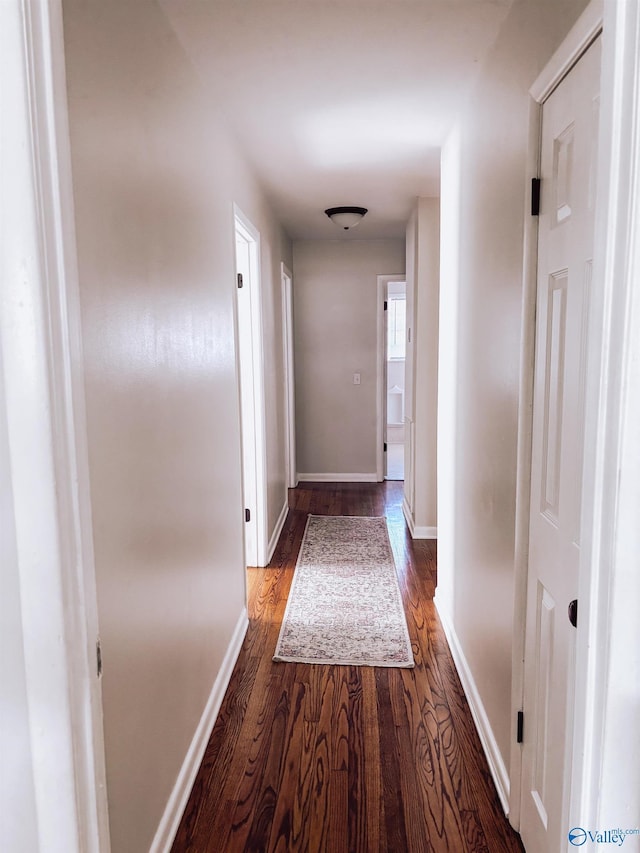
[573, 612]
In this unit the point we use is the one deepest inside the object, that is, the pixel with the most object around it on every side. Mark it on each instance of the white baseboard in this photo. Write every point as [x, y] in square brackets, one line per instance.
[425, 532]
[487, 738]
[338, 478]
[417, 531]
[177, 802]
[277, 530]
[408, 516]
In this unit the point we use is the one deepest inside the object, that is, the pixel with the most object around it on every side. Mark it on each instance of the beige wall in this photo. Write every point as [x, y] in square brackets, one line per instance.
[335, 325]
[423, 282]
[155, 178]
[483, 199]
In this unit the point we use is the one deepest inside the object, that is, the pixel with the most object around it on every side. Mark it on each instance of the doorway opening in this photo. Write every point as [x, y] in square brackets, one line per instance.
[392, 341]
[250, 370]
[396, 339]
[289, 378]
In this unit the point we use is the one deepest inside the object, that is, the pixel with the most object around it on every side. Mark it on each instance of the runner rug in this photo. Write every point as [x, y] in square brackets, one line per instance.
[345, 605]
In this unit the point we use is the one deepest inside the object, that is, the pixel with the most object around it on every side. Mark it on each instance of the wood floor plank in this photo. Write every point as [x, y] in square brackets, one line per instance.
[455, 778]
[290, 826]
[498, 833]
[345, 759]
[430, 809]
[255, 795]
[394, 823]
[358, 811]
[372, 771]
[338, 813]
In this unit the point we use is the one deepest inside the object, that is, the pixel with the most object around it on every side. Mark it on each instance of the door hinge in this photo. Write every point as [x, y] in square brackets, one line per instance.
[520, 727]
[247, 515]
[99, 658]
[240, 280]
[385, 305]
[535, 196]
[385, 447]
[573, 612]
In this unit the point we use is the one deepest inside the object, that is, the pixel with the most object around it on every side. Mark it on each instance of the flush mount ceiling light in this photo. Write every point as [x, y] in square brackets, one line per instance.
[346, 217]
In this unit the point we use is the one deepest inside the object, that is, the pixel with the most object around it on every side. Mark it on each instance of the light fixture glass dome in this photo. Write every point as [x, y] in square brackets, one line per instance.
[346, 217]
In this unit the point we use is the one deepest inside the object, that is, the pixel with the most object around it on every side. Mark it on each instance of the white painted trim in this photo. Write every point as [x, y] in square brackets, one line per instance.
[581, 35]
[480, 717]
[42, 359]
[408, 515]
[605, 616]
[289, 374]
[337, 478]
[523, 464]
[244, 226]
[424, 533]
[277, 530]
[380, 377]
[177, 802]
[410, 465]
[417, 531]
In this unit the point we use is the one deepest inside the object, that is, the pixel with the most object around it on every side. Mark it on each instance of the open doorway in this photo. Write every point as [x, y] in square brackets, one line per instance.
[250, 361]
[392, 329]
[396, 323]
[289, 378]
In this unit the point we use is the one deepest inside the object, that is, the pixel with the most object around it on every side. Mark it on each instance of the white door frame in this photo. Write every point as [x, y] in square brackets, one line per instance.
[46, 428]
[244, 227]
[616, 245]
[289, 376]
[381, 365]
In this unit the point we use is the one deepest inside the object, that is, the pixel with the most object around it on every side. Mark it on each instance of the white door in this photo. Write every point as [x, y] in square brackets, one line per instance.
[565, 251]
[251, 389]
[247, 399]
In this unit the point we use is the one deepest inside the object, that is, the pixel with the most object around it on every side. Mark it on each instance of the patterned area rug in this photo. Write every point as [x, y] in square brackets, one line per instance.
[345, 605]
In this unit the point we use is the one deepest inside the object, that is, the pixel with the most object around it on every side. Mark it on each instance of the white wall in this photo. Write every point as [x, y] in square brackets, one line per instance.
[335, 328]
[483, 199]
[421, 397]
[155, 179]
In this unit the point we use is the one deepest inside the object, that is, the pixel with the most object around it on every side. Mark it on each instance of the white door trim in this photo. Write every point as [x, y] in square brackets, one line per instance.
[381, 402]
[289, 376]
[616, 240]
[576, 42]
[609, 546]
[244, 226]
[44, 394]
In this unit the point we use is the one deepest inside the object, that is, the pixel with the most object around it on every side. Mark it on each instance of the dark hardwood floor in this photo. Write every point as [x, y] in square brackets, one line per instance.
[339, 758]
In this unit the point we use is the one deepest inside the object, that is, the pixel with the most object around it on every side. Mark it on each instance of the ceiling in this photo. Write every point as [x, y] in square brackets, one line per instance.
[339, 102]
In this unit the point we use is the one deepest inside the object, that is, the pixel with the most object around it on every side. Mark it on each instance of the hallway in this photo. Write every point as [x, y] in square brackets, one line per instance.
[309, 758]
